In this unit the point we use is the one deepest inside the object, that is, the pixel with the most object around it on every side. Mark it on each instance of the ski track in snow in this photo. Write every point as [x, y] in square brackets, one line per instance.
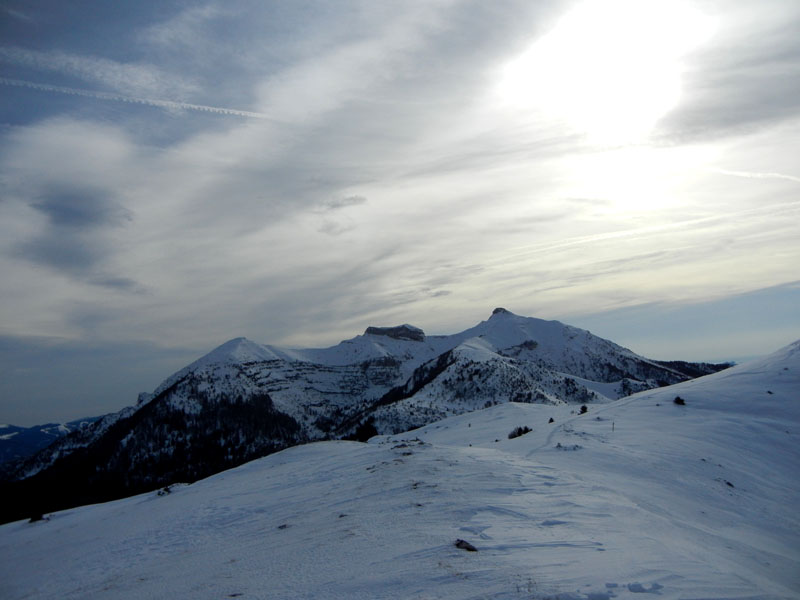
[637, 498]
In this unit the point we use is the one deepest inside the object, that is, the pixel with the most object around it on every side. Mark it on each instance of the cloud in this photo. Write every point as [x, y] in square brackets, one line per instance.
[81, 208]
[186, 28]
[67, 217]
[67, 253]
[344, 202]
[67, 153]
[334, 228]
[124, 284]
[72, 238]
[16, 14]
[123, 78]
[747, 77]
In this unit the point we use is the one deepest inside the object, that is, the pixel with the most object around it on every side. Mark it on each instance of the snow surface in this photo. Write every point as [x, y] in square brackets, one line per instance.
[637, 496]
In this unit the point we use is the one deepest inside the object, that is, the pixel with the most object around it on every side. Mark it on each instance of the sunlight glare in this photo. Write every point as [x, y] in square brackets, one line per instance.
[636, 180]
[609, 68]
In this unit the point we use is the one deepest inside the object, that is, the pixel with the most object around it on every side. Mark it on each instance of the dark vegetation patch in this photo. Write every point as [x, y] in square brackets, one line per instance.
[518, 431]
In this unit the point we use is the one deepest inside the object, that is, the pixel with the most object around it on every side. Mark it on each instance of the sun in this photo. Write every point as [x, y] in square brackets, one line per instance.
[609, 68]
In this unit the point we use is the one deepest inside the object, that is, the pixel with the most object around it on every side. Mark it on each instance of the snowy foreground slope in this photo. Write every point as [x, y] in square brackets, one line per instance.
[638, 496]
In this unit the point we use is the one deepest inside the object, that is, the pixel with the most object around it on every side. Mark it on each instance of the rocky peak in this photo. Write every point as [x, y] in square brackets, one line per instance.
[400, 332]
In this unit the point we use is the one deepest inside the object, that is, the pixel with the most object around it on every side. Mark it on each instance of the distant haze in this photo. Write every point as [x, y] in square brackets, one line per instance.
[174, 175]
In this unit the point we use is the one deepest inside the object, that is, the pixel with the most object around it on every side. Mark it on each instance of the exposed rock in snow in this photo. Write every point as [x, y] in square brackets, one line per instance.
[401, 332]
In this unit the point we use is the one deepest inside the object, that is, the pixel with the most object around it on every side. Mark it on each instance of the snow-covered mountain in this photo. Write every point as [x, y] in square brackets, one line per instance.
[639, 497]
[244, 400]
[20, 442]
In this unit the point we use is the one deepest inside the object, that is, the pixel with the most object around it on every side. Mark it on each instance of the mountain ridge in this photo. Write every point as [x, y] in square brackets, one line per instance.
[19, 442]
[384, 382]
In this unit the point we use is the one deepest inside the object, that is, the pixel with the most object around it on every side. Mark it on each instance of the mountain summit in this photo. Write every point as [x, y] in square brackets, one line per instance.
[243, 400]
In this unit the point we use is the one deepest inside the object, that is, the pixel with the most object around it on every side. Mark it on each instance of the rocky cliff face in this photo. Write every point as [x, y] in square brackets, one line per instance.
[401, 332]
[244, 400]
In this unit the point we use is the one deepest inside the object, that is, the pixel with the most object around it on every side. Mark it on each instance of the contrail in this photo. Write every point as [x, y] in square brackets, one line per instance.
[752, 175]
[44, 87]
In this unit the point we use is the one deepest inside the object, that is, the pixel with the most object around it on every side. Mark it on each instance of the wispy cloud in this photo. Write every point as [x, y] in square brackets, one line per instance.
[17, 14]
[748, 78]
[73, 240]
[344, 202]
[334, 227]
[184, 28]
[124, 78]
[80, 209]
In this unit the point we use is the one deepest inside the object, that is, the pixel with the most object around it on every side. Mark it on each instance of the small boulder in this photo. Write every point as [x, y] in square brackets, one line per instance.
[464, 545]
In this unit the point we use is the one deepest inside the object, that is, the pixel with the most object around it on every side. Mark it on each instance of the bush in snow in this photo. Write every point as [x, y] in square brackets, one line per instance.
[363, 432]
[583, 409]
[518, 431]
[679, 400]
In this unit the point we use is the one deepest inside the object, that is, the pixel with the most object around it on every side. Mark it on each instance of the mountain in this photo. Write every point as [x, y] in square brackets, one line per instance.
[244, 400]
[20, 442]
[639, 497]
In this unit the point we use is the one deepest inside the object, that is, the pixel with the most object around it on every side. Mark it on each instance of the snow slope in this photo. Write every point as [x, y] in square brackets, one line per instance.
[636, 496]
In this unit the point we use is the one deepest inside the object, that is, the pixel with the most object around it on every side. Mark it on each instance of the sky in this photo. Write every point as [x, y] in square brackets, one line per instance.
[177, 174]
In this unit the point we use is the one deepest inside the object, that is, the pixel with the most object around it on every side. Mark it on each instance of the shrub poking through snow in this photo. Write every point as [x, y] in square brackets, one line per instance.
[518, 431]
[363, 432]
[679, 400]
[583, 409]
